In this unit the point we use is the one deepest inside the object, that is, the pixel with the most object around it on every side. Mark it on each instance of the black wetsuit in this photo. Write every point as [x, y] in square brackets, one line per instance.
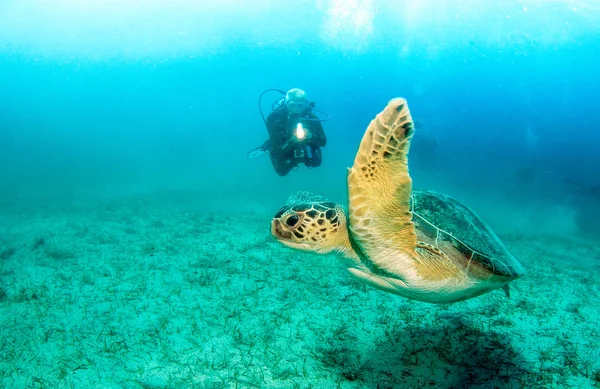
[286, 151]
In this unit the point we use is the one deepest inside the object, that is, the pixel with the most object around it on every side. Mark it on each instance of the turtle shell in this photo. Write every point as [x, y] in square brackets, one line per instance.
[442, 218]
[306, 197]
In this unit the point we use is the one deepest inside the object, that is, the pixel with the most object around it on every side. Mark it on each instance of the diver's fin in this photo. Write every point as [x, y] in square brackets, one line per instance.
[257, 153]
[261, 150]
[506, 290]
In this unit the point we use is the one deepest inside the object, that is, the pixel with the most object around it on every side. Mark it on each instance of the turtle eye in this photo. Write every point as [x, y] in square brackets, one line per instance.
[292, 220]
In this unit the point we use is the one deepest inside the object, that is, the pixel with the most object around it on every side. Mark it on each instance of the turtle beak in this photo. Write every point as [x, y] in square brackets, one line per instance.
[278, 231]
[283, 235]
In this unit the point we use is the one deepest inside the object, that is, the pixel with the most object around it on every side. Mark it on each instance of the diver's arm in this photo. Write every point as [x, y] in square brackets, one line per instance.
[318, 135]
[276, 131]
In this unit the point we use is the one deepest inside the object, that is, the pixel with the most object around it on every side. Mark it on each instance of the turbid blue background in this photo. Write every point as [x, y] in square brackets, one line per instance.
[105, 100]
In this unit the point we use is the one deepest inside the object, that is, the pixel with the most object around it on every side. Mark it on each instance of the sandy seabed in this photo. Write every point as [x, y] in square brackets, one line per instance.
[144, 294]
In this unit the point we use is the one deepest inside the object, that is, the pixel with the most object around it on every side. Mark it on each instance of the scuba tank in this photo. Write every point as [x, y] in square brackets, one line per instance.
[308, 152]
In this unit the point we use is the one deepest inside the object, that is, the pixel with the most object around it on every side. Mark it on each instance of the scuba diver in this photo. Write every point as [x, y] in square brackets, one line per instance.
[295, 133]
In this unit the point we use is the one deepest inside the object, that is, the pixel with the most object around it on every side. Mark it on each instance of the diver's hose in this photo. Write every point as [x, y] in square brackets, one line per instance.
[327, 116]
[260, 98]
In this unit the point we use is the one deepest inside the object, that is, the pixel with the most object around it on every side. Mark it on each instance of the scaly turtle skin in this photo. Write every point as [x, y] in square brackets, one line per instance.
[418, 244]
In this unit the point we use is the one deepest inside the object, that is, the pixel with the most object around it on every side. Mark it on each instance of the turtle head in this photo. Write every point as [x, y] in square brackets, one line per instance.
[315, 226]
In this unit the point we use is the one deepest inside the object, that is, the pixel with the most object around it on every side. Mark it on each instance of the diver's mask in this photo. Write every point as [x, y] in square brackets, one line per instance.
[296, 107]
[295, 101]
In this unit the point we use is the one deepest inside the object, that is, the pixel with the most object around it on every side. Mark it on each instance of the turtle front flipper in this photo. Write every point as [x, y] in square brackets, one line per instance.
[379, 190]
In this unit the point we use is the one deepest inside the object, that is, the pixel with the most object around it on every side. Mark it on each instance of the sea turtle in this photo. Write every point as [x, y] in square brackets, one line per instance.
[418, 244]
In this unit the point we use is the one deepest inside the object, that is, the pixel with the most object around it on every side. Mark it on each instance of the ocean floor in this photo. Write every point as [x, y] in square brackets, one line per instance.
[150, 294]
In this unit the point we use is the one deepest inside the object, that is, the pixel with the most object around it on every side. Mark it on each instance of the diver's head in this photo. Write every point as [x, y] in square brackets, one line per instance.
[295, 101]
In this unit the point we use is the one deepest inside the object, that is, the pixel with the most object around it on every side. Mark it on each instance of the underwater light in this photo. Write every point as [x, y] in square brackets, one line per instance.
[300, 131]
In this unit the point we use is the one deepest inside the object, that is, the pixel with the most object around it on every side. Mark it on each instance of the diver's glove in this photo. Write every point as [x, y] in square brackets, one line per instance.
[301, 133]
[307, 136]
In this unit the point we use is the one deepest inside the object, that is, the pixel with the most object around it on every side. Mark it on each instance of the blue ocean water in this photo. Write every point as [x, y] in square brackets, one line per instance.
[138, 112]
[130, 98]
